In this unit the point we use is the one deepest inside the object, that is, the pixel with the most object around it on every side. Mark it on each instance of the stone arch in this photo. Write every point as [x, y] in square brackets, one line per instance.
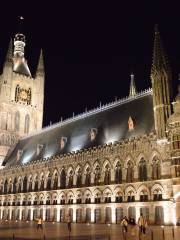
[143, 193]
[130, 188]
[35, 180]
[55, 179]
[87, 174]
[157, 186]
[48, 180]
[130, 193]
[106, 162]
[63, 178]
[142, 168]
[19, 184]
[140, 156]
[155, 162]
[97, 191]
[78, 175]
[14, 190]
[155, 153]
[127, 159]
[25, 180]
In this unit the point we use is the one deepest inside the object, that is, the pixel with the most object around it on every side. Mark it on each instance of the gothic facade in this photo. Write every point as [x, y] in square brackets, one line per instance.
[120, 159]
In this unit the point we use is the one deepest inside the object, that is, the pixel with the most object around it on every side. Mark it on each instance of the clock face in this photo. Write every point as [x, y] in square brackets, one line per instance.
[23, 95]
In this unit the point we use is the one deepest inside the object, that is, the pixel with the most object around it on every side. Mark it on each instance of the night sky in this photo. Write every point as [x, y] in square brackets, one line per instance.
[90, 51]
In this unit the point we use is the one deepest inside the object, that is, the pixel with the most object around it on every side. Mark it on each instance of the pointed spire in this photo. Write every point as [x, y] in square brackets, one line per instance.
[132, 89]
[40, 67]
[9, 55]
[159, 57]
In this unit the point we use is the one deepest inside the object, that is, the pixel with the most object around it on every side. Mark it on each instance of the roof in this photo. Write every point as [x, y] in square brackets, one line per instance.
[122, 119]
[21, 67]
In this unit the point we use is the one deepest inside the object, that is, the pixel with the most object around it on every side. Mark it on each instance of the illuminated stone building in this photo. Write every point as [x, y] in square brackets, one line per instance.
[122, 158]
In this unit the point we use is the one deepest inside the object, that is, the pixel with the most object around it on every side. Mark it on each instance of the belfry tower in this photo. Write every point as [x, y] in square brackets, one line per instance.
[161, 85]
[21, 97]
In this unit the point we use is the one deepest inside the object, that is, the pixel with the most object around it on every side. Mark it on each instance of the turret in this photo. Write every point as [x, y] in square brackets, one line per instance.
[132, 89]
[40, 67]
[161, 85]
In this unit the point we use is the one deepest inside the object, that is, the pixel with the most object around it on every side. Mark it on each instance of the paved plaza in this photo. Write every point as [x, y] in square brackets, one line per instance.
[54, 231]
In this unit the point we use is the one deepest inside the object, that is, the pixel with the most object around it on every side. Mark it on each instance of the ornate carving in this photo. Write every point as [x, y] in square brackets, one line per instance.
[23, 95]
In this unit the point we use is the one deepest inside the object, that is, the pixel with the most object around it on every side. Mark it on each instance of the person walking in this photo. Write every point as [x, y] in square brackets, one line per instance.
[142, 223]
[124, 224]
[39, 223]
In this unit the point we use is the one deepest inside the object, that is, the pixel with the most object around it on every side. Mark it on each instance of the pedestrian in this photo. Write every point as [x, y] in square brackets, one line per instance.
[39, 223]
[142, 223]
[124, 224]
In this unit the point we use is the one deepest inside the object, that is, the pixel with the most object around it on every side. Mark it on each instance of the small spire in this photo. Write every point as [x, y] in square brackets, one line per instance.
[9, 55]
[40, 67]
[132, 89]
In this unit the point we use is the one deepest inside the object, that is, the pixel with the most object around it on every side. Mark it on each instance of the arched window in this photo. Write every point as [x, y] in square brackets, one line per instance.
[70, 179]
[119, 197]
[118, 173]
[48, 187]
[26, 124]
[19, 186]
[157, 195]
[143, 196]
[88, 177]
[97, 174]
[36, 184]
[17, 121]
[79, 178]
[10, 187]
[42, 183]
[25, 184]
[130, 196]
[130, 172]
[55, 183]
[15, 185]
[30, 185]
[107, 175]
[142, 170]
[63, 179]
[156, 169]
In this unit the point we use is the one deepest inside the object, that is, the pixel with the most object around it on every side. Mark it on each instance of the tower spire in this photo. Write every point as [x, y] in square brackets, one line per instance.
[132, 89]
[161, 85]
[160, 61]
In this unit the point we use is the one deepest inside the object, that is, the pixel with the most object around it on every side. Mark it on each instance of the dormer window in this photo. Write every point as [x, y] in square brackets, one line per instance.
[93, 134]
[39, 149]
[63, 142]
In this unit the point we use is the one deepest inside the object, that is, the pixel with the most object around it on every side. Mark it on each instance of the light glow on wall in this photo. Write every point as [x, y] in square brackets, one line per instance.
[113, 214]
[92, 216]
